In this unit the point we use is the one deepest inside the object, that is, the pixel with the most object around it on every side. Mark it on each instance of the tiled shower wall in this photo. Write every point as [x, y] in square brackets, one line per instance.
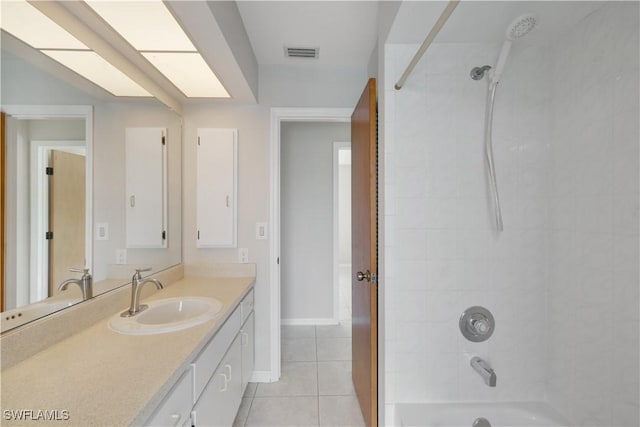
[562, 280]
[593, 291]
[443, 254]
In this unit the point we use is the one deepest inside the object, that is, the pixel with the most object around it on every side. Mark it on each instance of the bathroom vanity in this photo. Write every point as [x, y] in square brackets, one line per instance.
[195, 376]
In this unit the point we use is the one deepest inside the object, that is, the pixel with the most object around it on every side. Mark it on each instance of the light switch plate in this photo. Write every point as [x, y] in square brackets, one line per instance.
[261, 230]
[102, 231]
[243, 255]
[121, 256]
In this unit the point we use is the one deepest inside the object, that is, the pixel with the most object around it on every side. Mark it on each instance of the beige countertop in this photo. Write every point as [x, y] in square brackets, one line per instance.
[103, 378]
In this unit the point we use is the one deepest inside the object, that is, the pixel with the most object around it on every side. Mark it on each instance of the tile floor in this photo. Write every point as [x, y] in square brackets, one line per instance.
[315, 388]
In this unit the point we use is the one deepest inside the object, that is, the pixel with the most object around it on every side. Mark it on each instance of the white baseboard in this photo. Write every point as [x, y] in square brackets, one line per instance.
[309, 322]
[261, 377]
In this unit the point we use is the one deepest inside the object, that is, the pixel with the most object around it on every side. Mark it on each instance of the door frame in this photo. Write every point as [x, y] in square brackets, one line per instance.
[337, 146]
[44, 112]
[279, 115]
[39, 210]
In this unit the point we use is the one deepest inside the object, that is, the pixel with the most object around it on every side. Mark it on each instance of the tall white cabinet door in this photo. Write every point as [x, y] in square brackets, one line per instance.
[248, 350]
[217, 188]
[146, 187]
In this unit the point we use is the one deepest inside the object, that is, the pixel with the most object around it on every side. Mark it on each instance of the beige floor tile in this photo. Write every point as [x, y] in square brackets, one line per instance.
[289, 331]
[334, 349]
[243, 412]
[342, 330]
[297, 379]
[298, 349]
[334, 378]
[342, 411]
[283, 411]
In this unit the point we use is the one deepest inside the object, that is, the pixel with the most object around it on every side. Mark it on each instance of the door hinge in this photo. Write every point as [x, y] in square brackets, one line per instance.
[163, 140]
[198, 234]
[48, 170]
[198, 140]
[164, 235]
[278, 261]
[48, 235]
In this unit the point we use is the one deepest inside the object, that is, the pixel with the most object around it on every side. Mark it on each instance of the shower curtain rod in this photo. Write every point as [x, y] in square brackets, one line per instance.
[427, 42]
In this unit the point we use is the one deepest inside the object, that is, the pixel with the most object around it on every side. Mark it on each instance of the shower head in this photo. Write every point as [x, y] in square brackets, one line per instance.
[518, 28]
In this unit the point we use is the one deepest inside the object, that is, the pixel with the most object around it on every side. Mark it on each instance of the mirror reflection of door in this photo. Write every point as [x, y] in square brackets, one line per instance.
[66, 216]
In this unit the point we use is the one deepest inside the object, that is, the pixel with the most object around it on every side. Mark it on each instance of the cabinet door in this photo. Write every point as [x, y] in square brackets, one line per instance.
[221, 398]
[248, 345]
[216, 191]
[146, 187]
[176, 407]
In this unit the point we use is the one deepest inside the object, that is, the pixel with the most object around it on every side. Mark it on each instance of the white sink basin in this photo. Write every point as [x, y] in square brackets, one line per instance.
[167, 315]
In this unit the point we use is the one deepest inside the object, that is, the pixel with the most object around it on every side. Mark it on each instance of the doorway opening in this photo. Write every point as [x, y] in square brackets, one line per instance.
[342, 230]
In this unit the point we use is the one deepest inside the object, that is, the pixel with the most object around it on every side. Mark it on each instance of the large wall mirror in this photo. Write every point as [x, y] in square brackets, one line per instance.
[65, 183]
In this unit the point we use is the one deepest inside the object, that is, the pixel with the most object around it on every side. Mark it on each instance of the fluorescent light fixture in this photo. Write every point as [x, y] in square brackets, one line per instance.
[146, 25]
[189, 72]
[34, 28]
[93, 67]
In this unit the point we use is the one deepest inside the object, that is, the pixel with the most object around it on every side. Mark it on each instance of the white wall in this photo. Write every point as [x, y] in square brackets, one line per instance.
[279, 86]
[110, 122]
[307, 218]
[566, 148]
[252, 123]
[593, 370]
[17, 213]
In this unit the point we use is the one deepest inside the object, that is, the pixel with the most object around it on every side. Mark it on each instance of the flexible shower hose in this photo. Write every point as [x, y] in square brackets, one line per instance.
[488, 145]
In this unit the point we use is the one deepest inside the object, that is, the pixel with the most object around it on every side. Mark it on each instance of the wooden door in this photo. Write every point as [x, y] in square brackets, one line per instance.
[66, 216]
[365, 253]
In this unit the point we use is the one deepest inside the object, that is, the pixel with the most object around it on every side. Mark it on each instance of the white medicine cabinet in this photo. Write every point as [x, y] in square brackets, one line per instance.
[217, 187]
[146, 187]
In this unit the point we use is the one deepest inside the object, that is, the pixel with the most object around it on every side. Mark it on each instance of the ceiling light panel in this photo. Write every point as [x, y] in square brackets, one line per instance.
[93, 67]
[34, 28]
[146, 25]
[189, 72]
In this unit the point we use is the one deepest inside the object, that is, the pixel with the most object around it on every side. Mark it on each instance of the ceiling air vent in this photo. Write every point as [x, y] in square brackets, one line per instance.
[301, 52]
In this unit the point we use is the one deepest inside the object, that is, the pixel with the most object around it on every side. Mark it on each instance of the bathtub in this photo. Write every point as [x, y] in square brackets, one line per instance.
[463, 414]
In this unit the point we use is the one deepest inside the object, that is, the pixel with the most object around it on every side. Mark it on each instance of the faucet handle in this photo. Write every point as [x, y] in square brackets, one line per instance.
[79, 270]
[142, 270]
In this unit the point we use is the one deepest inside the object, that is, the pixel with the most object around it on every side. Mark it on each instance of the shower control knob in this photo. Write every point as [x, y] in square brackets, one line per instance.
[477, 324]
[480, 325]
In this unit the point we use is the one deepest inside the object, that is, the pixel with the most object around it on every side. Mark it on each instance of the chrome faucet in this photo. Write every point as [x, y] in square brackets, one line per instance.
[85, 283]
[136, 285]
[485, 371]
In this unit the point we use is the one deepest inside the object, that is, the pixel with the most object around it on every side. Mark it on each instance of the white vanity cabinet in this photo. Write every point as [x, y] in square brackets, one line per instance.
[175, 409]
[210, 392]
[220, 400]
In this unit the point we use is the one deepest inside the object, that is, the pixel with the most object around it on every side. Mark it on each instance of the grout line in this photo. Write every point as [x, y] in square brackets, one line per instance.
[315, 330]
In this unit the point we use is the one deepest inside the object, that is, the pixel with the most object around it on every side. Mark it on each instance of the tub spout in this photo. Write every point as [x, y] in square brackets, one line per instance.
[485, 371]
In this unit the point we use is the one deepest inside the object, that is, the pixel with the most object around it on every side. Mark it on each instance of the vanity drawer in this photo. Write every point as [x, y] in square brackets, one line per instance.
[175, 409]
[247, 306]
[208, 360]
